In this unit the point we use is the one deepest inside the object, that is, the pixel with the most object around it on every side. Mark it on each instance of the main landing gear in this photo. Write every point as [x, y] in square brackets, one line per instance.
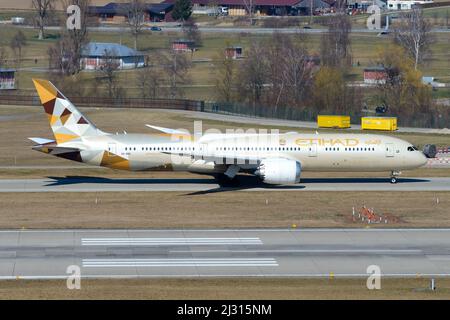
[394, 175]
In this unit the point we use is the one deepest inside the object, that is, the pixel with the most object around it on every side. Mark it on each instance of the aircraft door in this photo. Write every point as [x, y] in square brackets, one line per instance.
[312, 150]
[389, 149]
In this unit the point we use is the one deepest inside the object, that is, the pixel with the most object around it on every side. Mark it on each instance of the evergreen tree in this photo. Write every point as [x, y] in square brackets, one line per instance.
[182, 10]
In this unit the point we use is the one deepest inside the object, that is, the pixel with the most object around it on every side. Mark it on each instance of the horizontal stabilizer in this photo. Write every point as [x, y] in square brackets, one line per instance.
[42, 140]
[167, 130]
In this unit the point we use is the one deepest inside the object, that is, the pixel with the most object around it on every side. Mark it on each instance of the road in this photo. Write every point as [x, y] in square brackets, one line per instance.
[207, 253]
[247, 183]
[258, 121]
[254, 30]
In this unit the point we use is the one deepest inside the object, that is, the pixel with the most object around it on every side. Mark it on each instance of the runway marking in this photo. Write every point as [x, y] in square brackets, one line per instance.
[360, 251]
[189, 262]
[168, 241]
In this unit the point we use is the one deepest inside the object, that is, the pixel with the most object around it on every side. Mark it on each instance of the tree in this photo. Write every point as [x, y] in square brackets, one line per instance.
[413, 34]
[150, 80]
[250, 7]
[69, 48]
[290, 70]
[253, 75]
[403, 91]
[329, 90]
[191, 32]
[135, 12]
[44, 9]
[226, 78]
[17, 43]
[3, 56]
[176, 67]
[182, 10]
[109, 67]
[335, 44]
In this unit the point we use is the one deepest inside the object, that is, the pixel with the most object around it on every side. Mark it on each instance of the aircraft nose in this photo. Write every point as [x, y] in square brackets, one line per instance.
[421, 159]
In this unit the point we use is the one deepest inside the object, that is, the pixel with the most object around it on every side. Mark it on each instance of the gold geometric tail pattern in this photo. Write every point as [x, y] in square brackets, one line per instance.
[65, 120]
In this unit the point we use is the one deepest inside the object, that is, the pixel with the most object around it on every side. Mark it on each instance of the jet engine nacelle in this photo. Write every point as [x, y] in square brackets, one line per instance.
[279, 171]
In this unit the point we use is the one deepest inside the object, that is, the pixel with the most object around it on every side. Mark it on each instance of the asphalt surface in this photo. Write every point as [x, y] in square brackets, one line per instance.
[254, 30]
[290, 123]
[47, 254]
[198, 186]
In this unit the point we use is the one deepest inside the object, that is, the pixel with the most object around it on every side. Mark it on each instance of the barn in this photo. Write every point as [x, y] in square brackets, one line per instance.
[375, 75]
[7, 79]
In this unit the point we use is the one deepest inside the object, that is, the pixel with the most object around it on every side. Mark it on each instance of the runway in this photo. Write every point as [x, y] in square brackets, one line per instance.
[246, 183]
[46, 254]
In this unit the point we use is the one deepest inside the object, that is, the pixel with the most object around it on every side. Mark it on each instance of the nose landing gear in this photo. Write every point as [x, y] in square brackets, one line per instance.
[394, 175]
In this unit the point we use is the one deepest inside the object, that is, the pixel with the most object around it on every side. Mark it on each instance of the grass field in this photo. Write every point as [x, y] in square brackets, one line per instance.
[204, 71]
[234, 288]
[230, 209]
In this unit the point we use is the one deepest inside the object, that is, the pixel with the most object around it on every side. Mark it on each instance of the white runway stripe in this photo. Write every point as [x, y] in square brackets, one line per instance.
[167, 241]
[189, 262]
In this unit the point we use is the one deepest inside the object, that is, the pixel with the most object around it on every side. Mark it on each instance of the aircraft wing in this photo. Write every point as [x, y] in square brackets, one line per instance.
[42, 140]
[166, 130]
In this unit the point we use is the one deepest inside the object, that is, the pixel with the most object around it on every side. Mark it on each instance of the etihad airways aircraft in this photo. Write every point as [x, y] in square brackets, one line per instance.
[276, 158]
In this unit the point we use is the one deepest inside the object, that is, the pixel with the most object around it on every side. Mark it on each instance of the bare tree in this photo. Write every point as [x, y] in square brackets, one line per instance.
[253, 75]
[226, 78]
[109, 67]
[135, 13]
[17, 43]
[290, 71]
[176, 67]
[335, 44]
[3, 56]
[71, 44]
[413, 34]
[250, 7]
[44, 9]
[150, 80]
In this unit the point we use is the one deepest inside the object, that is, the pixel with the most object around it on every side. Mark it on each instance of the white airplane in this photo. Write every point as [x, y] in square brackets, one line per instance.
[275, 158]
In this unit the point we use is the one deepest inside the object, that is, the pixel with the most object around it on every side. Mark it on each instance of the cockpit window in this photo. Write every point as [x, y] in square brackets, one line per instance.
[412, 148]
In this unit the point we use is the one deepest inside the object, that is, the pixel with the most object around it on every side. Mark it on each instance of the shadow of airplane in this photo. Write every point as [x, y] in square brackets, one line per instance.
[241, 182]
[68, 180]
[361, 180]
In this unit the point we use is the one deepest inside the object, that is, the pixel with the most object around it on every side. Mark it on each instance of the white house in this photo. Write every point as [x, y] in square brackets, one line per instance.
[93, 54]
[405, 4]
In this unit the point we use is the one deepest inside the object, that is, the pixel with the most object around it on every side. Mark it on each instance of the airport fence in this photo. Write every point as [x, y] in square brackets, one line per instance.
[101, 102]
[437, 119]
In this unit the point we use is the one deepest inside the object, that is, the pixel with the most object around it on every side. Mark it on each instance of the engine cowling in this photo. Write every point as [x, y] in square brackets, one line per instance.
[279, 171]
